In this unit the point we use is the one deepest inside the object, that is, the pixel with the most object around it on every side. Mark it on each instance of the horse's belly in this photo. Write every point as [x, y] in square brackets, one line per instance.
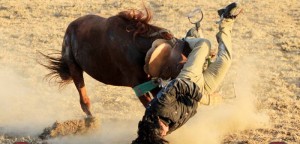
[118, 73]
[107, 77]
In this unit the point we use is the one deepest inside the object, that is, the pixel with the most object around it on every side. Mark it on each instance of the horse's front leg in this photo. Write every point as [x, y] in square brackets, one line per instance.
[77, 75]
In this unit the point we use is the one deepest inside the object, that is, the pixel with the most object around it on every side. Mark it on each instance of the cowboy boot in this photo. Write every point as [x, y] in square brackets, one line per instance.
[231, 11]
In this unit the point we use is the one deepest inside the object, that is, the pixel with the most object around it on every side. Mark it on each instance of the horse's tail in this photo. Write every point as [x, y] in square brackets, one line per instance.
[56, 62]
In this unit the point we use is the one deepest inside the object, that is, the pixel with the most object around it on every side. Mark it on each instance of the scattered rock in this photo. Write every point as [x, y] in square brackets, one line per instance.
[70, 127]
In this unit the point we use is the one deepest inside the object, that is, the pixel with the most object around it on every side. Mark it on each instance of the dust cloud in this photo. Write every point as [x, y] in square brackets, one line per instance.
[27, 108]
[111, 132]
[211, 123]
[24, 107]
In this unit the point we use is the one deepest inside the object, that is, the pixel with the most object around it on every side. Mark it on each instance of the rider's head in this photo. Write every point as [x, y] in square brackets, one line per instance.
[151, 131]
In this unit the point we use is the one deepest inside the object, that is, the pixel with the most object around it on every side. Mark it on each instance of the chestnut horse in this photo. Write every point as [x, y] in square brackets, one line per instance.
[111, 50]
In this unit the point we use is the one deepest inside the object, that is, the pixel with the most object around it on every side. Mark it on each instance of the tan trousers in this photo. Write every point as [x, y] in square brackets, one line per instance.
[209, 79]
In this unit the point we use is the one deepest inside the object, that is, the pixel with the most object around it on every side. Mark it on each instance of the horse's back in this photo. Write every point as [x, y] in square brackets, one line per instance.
[85, 27]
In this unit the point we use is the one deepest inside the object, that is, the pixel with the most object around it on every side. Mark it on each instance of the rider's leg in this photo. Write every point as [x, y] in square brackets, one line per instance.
[209, 79]
[216, 71]
[193, 68]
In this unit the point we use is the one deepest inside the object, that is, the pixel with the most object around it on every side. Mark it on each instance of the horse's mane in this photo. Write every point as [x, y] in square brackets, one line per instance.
[140, 21]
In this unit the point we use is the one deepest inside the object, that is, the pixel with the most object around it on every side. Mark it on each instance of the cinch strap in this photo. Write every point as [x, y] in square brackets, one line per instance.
[144, 88]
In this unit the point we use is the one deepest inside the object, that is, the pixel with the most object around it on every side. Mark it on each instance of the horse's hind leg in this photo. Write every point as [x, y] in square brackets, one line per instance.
[77, 76]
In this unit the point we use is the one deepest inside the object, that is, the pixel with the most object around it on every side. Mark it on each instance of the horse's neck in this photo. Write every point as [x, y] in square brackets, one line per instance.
[143, 44]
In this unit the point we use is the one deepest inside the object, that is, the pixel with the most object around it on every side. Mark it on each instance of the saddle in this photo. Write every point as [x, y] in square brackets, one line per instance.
[165, 58]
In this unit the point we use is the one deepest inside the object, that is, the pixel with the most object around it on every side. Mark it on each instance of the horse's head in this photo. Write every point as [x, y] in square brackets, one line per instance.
[143, 32]
[164, 62]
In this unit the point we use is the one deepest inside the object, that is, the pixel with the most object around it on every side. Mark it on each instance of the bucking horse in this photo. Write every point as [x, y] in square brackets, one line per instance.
[113, 50]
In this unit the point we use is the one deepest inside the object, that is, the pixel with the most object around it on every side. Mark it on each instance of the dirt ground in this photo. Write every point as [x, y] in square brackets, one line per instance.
[260, 95]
